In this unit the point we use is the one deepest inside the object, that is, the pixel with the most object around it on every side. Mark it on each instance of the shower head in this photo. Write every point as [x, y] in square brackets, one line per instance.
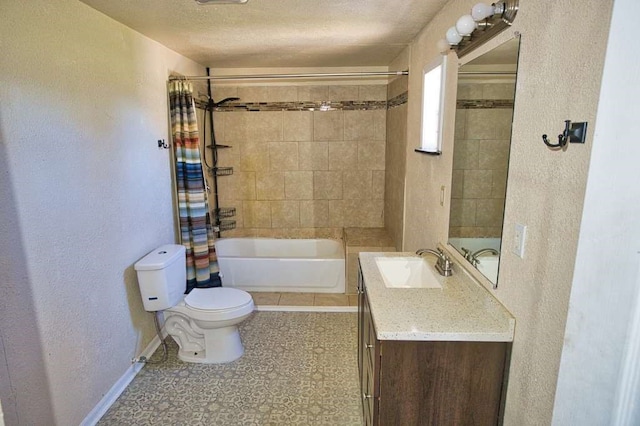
[225, 100]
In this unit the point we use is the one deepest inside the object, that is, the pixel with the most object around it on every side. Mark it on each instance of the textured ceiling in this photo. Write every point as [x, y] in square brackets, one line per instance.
[278, 33]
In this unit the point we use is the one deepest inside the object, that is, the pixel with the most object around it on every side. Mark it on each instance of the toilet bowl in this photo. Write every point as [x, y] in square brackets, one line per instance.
[204, 323]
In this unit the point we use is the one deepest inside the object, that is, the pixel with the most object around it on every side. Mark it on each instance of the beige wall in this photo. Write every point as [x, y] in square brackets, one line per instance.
[302, 173]
[545, 189]
[85, 193]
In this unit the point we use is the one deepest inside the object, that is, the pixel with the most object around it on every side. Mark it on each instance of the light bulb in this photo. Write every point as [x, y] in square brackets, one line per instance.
[443, 46]
[453, 37]
[465, 25]
[482, 11]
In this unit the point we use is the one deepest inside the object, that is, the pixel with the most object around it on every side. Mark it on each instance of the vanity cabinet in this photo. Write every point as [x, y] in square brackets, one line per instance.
[427, 382]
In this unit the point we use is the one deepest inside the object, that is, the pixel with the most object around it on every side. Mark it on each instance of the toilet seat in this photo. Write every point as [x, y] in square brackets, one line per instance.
[215, 304]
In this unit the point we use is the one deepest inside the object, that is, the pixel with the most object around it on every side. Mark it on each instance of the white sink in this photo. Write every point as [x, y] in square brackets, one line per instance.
[406, 272]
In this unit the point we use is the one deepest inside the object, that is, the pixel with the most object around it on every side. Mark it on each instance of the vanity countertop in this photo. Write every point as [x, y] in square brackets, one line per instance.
[462, 310]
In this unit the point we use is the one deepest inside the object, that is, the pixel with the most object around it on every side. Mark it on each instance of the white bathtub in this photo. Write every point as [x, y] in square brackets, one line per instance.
[284, 265]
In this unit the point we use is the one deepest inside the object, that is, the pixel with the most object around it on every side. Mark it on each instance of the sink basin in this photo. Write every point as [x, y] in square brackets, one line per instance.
[406, 272]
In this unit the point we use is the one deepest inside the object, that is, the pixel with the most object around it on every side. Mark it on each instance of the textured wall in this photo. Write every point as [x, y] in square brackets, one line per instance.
[85, 193]
[302, 173]
[542, 185]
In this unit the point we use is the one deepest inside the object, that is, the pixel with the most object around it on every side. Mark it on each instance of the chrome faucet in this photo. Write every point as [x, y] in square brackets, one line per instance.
[474, 257]
[443, 264]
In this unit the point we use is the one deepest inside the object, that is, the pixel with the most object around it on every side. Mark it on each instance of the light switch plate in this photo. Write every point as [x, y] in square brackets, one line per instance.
[519, 237]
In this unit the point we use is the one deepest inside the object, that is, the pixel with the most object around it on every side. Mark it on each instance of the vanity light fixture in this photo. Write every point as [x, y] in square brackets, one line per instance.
[483, 23]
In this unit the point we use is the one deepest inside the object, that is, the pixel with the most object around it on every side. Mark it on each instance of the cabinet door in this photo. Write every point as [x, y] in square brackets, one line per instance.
[370, 367]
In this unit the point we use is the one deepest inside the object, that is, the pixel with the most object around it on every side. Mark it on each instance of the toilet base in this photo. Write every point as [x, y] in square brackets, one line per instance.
[222, 345]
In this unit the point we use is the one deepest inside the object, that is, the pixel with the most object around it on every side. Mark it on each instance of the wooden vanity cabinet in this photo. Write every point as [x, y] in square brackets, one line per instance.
[405, 383]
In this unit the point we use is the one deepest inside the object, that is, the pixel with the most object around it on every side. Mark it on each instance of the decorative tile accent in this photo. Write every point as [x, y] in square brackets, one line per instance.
[484, 103]
[396, 101]
[338, 105]
[299, 368]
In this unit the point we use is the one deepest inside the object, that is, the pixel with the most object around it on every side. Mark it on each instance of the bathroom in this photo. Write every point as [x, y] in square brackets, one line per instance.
[84, 99]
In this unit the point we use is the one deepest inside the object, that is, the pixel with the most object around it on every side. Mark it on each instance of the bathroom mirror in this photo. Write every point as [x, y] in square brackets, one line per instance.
[484, 112]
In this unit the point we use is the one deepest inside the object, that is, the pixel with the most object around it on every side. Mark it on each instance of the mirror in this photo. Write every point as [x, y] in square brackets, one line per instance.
[484, 112]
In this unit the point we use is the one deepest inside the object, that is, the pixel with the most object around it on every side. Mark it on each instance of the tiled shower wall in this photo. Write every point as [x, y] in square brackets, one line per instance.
[297, 172]
[396, 147]
[481, 158]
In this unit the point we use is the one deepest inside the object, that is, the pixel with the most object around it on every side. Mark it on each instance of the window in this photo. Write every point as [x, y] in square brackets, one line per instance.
[432, 105]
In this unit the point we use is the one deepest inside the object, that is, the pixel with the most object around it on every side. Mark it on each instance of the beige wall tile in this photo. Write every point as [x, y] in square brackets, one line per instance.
[465, 154]
[336, 213]
[220, 92]
[477, 183]
[296, 299]
[365, 125]
[254, 156]
[467, 91]
[493, 155]
[490, 212]
[461, 124]
[371, 155]
[327, 185]
[313, 155]
[314, 213]
[253, 126]
[505, 118]
[363, 213]
[298, 185]
[257, 214]
[246, 185]
[228, 187]
[343, 155]
[372, 92]
[457, 183]
[343, 93]
[499, 91]
[298, 125]
[463, 212]
[499, 185]
[481, 124]
[285, 214]
[377, 184]
[398, 86]
[328, 125]
[313, 93]
[270, 185]
[268, 93]
[283, 156]
[356, 184]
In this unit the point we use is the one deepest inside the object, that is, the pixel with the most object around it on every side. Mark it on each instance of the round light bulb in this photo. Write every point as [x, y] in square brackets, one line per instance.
[453, 38]
[443, 46]
[482, 11]
[465, 25]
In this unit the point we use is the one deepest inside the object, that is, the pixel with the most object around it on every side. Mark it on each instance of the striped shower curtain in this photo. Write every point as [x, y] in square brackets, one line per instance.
[195, 225]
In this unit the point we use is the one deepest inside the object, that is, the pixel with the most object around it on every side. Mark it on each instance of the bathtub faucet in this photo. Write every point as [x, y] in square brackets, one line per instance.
[474, 257]
[443, 264]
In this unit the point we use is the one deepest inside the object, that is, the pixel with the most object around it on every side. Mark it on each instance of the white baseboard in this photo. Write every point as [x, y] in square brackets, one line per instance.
[110, 397]
[278, 308]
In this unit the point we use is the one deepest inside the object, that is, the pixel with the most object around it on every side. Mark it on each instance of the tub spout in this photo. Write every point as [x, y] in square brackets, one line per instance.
[443, 264]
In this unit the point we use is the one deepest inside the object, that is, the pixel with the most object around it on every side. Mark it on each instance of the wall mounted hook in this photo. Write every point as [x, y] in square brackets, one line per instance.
[162, 144]
[573, 133]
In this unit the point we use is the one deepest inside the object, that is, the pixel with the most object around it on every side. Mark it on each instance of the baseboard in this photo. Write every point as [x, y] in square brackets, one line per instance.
[110, 397]
[278, 308]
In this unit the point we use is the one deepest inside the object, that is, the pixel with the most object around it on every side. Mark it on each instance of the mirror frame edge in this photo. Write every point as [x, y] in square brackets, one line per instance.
[453, 252]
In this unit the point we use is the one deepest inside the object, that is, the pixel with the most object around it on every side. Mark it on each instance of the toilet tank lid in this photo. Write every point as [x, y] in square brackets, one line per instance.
[160, 258]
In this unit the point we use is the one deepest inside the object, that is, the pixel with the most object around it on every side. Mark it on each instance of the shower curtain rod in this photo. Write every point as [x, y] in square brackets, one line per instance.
[487, 73]
[276, 76]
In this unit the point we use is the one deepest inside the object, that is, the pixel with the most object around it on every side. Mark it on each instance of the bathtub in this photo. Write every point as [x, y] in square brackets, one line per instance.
[487, 264]
[282, 265]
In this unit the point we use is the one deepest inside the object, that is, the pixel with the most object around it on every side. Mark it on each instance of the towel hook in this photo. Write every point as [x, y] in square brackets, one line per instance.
[573, 133]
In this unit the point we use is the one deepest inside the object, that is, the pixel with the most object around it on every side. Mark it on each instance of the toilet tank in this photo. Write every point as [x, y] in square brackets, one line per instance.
[162, 277]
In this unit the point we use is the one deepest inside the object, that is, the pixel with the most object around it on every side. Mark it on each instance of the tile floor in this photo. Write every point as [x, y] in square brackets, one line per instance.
[304, 299]
[299, 368]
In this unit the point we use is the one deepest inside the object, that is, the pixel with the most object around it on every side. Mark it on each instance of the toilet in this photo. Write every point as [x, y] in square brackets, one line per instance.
[204, 323]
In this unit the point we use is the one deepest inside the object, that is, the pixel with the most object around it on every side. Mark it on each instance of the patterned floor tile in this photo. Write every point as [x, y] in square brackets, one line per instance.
[299, 368]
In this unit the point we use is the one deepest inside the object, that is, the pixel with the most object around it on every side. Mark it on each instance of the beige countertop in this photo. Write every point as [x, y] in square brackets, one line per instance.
[462, 310]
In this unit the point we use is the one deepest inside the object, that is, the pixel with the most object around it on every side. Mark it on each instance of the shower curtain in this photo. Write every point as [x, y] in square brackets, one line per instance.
[196, 232]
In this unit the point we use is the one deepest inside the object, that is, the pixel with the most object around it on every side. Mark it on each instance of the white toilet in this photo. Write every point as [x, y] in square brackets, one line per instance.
[204, 322]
